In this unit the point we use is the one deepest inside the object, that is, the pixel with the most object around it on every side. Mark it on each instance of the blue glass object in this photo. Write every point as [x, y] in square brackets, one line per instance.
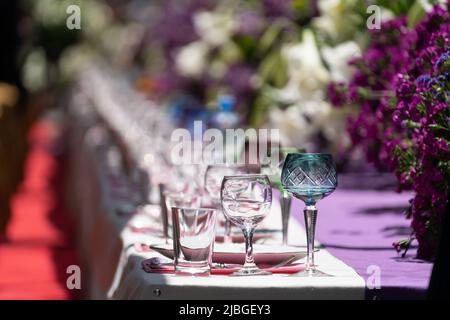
[226, 117]
[226, 102]
[309, 177]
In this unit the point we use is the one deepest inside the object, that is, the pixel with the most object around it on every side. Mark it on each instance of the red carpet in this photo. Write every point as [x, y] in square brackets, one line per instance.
[34, 261]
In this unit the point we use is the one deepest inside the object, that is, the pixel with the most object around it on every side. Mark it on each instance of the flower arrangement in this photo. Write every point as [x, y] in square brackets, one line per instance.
[402, 85]
[276, 57]
[225, 47]
[268, 54]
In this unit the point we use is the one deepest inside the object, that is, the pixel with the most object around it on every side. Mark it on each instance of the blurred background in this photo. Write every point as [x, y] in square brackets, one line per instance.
[276, 58]
[281, 62]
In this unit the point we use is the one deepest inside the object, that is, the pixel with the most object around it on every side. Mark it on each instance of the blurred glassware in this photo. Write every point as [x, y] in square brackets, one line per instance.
[273, 171]
[170, 199]
[246, 201]
[309, 177]
[193, 240]
[213, 181]
[226, 117]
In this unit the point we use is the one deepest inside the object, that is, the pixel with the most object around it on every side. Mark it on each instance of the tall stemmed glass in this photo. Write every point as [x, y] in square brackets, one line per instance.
[273, 170]
[246, 201]
[309, 177]
[213, 181]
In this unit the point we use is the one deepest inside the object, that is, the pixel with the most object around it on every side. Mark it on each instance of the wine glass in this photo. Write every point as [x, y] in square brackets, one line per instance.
[309, 177]
[273, 170]
[213, 181]
[246, 201]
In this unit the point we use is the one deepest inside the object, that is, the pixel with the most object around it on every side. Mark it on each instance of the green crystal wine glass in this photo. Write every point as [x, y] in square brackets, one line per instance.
[309, 177]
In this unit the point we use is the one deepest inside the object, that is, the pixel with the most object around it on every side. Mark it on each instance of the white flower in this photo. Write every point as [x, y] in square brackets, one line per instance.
[190, 60]
[386, 14]
[34, 70]
[215, 28]
[75, 59]
[335, 129]
[97, 18]
[299, 122]
[336, 19]
[332, 7]
[291, 125]
[337, 59]
[427, 6]
[309, 112]
[307, 74]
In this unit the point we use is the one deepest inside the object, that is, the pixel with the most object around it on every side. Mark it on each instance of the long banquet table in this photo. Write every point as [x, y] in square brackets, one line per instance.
[355, 231]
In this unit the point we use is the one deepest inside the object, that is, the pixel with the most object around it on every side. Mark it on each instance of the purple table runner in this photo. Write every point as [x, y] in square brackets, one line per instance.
[359, 227]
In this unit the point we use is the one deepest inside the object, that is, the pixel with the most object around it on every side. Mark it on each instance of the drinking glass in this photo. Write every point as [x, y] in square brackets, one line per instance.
[193, 240]
[273, 171]
[171, 199]
[213, 181]
[309, 177]
[246, 200]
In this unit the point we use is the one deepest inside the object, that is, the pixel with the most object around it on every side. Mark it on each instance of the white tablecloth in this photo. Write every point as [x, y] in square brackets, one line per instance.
[112, 265]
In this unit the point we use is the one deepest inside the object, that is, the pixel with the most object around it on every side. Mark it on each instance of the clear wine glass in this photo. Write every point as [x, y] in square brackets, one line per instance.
[273, 171]
[309, 177]
[246, 201]
[213, 181]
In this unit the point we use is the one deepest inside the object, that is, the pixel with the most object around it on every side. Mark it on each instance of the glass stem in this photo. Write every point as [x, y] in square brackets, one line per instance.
[227, 236]
[164, 212]
[310, 213]
[227, 226]
[249, 260]
[285, 203]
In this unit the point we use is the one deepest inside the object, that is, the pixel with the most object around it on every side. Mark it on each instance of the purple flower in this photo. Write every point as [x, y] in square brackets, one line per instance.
[444, 58]
[337, 93]
[423, 80]
[180, 15]
[240, 79]
[278, 8]
[250, 23]
[402, 85]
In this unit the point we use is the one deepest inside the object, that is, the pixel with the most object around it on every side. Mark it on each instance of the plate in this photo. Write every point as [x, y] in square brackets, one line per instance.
[238, 236]
[234, 253]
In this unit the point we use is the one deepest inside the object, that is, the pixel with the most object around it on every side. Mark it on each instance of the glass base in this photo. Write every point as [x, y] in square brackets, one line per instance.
[196, 270]
[251, 271]
[312, 273]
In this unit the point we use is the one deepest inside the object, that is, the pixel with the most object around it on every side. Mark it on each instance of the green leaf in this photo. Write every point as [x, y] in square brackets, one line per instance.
[268, 38]
[273, 70]
[412, 124]
[398, 7]
[246, 45]
[438, 127]
[258, 110]
[416, 14]
[422, 109]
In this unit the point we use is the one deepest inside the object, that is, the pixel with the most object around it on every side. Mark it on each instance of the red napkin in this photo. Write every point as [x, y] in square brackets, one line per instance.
[289, 269]
[142, 247]
[148, 267]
